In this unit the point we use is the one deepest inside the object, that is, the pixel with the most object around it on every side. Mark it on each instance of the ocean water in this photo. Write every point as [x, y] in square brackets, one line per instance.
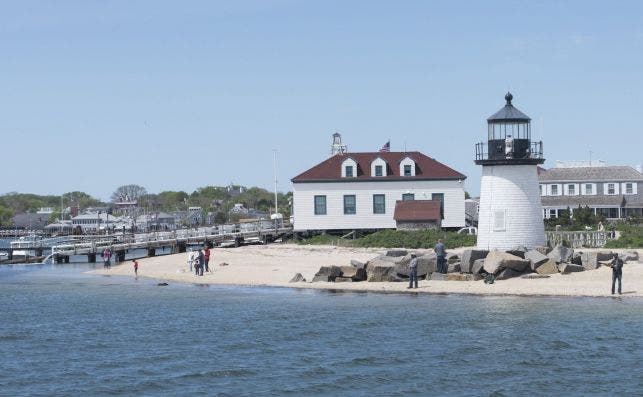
[63, 332]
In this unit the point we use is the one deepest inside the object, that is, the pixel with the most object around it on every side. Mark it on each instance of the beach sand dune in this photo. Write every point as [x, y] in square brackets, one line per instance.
[276, 264]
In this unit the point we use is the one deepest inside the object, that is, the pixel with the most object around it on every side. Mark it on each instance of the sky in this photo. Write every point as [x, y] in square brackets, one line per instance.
[175, 95]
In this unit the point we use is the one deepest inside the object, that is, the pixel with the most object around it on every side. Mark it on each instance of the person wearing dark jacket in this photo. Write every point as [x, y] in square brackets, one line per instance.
[441, 254]
[617, 272]
[201, 262]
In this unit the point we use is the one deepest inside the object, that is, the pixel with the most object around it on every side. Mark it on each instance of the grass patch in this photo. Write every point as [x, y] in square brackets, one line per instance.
[631, 237]
[413, 239]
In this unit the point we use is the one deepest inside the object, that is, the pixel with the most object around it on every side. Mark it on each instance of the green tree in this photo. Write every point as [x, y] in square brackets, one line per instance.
[128, 192]
[6, 214]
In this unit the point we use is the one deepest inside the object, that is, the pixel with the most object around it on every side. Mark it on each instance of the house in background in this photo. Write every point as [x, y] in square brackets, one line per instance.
[353, 191]
[615, 192]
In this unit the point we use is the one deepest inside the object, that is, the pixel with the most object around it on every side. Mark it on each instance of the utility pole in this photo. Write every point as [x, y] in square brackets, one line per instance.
[274, 151]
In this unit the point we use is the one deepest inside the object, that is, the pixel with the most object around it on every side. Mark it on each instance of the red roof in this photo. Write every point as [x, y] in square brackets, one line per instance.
[417, 210]
[330, 170]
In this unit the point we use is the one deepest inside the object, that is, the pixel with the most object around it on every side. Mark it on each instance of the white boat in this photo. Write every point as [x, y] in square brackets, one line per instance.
[4, 256]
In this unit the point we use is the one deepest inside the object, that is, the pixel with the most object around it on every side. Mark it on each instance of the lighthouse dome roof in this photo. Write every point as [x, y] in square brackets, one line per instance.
[508, 113]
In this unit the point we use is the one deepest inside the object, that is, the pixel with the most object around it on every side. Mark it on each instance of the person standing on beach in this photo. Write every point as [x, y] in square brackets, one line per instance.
[413, 271]
[441, 254]
[201, 262]
[107, 254]
[190, 258]
[135, 267]
[617, 272]
[206, 257]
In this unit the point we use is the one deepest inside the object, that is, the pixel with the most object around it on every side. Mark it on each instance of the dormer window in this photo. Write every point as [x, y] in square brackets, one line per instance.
[407, 167]
[378, 167]
[349, 168]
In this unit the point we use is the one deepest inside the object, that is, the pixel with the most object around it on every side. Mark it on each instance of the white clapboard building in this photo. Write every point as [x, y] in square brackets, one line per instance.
[510, 212]
[358, 191]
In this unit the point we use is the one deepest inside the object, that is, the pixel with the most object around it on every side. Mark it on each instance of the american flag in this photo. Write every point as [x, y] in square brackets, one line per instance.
[386, 147]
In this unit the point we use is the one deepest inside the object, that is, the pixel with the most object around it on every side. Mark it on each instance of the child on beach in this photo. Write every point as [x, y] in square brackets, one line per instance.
[135, 267]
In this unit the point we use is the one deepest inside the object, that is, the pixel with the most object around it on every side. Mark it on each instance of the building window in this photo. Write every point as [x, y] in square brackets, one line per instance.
[553, 214]
[349, 171]
[378, 170]
[379, 204]
[554, 190]
[610, 189]
[571, 190]
[408, 197]
[629, 188]
[320, 205]
[349, 205]
[407, 170]
[541, 190]
[589, 189]
[439, 197]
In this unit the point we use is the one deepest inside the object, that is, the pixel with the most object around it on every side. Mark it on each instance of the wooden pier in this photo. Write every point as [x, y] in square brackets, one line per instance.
[62, 248]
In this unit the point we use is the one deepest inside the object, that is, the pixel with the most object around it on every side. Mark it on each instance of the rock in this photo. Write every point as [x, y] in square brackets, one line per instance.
[592, 260]
[548, 267]
[358, 264]
[327, 273]
[348, 271]
[576, 258]
[298, 278]
[566, 268]
[478, 266]
[532, 275]
[508, 273]
[382, 260]
[454, 268]
[535, 258]
[520, 248]
[516, 252]
[380, 273]
[430, 262]
[162, 284]
[343, 280]
[468, 257]
[461, 277]
[452, 258]
[629, 256]
[395, 253]
[561, 254]
[497, 260]
[542, 250]
[439, 277]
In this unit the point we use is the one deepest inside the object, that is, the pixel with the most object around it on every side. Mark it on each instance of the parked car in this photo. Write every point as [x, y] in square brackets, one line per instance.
[469, 230]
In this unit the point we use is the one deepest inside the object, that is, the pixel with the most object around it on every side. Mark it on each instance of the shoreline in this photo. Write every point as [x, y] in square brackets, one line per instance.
[274, 265]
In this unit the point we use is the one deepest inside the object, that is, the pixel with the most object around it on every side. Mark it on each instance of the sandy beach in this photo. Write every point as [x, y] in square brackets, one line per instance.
[274, 265]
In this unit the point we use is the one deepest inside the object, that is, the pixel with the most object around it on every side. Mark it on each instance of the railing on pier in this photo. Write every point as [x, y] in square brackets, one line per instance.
[580, 239]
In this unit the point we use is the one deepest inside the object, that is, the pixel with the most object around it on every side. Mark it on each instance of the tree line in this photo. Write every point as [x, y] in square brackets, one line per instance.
[212, 199]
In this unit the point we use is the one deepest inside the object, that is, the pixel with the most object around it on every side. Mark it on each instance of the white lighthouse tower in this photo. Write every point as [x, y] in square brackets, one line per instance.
[510, 210]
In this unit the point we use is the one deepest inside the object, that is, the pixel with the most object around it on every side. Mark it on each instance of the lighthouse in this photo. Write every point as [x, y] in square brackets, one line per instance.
[510, 213]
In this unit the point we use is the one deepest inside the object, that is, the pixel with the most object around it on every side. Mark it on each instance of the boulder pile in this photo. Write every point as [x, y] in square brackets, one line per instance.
[472, 264]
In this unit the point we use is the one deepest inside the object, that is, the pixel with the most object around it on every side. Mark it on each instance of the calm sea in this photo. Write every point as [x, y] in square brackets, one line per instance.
[63, 332]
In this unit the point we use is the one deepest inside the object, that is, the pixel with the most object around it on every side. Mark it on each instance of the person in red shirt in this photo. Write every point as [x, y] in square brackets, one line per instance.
[135, 267]
[206, 257]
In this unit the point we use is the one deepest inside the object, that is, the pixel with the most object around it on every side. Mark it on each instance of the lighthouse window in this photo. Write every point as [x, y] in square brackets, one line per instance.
[499, 220]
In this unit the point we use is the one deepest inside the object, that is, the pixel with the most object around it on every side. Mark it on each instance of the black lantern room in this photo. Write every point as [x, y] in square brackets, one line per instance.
[509, 139]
